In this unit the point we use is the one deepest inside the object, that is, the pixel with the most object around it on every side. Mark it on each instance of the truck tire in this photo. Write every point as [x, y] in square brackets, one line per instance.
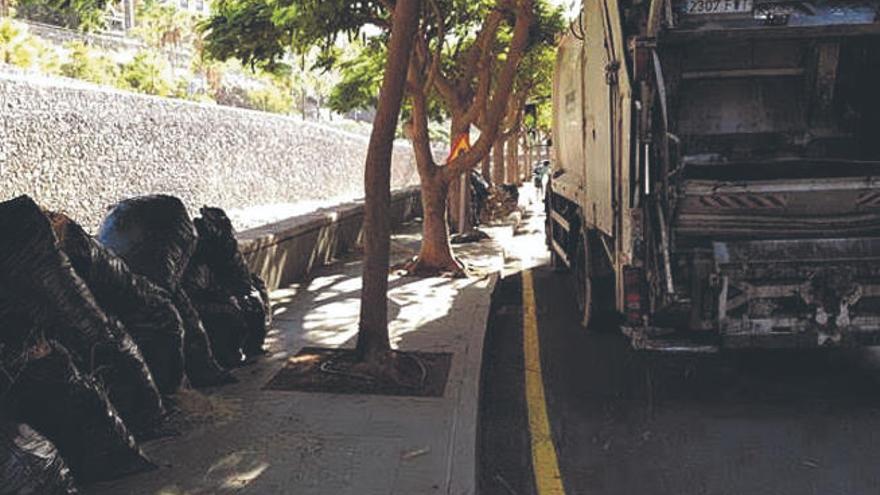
[582, 278]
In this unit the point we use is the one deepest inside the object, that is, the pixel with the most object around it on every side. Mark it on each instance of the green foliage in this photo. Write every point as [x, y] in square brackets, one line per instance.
[163, 25]
[244, 30]
[147, 73]
[85, 64]
[535, 74]
[545, 116]
[260, 32]
[84, 15]
[48, 60]
[14, 49]
[20, 49]
[270, 99]
[361, 80]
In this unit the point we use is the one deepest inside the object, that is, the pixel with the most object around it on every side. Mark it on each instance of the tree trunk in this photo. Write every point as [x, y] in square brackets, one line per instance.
[512, 162]
[435, 254]
[521, 161]
[498, 162]
[372, 342]
[486, 168]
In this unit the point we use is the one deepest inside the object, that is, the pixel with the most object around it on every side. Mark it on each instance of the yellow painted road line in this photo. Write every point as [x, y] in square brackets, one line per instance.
[544, 461]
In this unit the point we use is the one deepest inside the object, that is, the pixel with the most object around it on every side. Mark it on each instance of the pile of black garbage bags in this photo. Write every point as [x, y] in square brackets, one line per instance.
[96, 333]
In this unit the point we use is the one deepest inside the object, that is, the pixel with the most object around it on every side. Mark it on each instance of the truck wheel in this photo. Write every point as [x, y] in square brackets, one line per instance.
[582, 276]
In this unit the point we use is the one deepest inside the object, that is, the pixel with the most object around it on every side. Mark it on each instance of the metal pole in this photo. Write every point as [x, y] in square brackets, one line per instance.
[462, 204]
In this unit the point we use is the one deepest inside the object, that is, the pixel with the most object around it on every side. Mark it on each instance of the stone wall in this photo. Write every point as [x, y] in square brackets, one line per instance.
[79, 148]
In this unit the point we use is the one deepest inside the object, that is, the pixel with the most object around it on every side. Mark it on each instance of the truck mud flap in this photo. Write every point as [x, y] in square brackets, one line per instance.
[798, 293]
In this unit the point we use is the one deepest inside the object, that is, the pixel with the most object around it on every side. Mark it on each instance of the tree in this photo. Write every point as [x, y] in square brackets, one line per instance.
[464, 58]
[475, 81]
[473, 77]
[533, 85]
[372, 344]
[257, 33]
[85, 15]
[470, 41]
[162, 25]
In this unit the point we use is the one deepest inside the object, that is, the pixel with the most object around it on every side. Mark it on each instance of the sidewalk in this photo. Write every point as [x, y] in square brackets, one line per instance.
[242, 439]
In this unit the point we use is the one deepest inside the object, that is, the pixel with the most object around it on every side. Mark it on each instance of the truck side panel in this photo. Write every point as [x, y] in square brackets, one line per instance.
[598, 54]
[623, 144]
[568, 120]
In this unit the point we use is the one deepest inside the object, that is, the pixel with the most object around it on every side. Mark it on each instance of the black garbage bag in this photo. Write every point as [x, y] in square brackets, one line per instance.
[30, 464]
[153, 234]
[217, 247]
[18, 332]
[122, 369]
[156, 238]
[224, 321]
[220, 313]
[145, 309]
[201, 366]
[40, 279]
[258, 313]
[220, 284]
[72, 410]
[263, 291]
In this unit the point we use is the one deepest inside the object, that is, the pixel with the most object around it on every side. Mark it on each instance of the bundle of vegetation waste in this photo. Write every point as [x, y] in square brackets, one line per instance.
[146, 310]
[156, 238]
[60, 355]
[30, 463]
[73, 410]
[232, 301]
[37, 278]
[92, 329]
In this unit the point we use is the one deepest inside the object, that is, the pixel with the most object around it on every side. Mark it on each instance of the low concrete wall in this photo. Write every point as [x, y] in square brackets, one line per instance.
[286, 251]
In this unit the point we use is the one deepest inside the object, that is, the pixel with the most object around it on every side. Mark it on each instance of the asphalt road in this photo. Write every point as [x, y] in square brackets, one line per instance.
[624, 422]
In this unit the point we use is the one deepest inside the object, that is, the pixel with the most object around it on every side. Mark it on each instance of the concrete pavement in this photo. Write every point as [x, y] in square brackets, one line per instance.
[242, 439]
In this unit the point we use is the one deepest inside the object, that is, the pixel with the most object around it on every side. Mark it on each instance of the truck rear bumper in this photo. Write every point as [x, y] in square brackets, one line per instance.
[795, 293]
[658, 340]
[798, 292]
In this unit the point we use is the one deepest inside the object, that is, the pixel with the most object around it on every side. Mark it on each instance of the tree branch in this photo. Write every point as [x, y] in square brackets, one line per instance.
[479, 52]
[434, 69]
[418, 124]
[504, 86]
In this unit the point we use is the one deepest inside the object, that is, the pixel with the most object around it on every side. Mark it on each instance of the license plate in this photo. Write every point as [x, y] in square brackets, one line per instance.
[703, 7]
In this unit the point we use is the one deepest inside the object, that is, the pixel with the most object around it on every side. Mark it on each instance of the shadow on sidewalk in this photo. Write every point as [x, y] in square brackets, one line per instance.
[247, 440]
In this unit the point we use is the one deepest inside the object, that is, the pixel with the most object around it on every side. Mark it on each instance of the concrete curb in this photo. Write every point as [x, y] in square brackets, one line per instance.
[461, 476]
[287, 251]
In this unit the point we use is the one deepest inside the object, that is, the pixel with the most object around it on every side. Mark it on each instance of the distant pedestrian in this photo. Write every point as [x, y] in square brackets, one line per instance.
[540, 174]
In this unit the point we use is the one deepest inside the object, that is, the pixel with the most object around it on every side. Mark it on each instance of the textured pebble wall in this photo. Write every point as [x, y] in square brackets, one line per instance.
[79, 148]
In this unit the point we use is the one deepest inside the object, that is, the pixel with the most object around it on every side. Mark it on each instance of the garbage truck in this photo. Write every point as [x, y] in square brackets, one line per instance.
[715, 177]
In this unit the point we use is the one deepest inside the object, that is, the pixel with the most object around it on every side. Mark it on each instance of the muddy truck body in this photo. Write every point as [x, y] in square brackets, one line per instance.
[716, 171]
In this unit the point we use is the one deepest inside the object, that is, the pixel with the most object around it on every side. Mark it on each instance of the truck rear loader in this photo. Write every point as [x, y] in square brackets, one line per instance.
[716, 171]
